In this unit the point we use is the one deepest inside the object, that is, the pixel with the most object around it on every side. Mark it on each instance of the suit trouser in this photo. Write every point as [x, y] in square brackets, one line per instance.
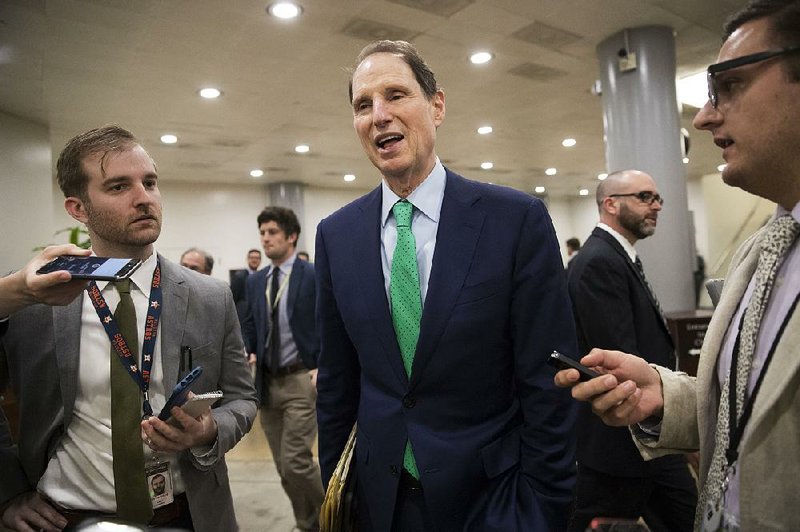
[289, 420]
[666, 499]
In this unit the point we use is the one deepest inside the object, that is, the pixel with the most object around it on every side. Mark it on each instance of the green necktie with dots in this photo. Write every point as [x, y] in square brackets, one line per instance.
[406, 301]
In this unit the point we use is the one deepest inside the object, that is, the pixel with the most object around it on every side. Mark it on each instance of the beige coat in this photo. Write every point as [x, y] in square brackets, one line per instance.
[769, 459]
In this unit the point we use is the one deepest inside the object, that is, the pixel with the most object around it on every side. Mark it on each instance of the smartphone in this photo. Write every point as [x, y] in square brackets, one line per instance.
[180, 393]
[559, 361]
[100, 268]
[196, 405]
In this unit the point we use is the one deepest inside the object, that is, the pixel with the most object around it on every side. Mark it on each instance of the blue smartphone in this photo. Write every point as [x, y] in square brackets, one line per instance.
[180, 393]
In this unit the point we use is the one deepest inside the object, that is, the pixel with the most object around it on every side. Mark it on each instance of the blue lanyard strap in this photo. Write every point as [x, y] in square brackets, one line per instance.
[120, 345]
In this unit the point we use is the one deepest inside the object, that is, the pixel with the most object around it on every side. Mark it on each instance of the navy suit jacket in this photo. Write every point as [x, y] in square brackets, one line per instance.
[301, 294]
[492, 435]
[614, 310]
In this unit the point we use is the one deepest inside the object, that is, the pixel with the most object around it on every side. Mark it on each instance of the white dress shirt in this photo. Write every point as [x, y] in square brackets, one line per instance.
[80, 475]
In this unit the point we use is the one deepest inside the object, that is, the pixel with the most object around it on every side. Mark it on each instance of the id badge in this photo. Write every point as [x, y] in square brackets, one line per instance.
[159, 482]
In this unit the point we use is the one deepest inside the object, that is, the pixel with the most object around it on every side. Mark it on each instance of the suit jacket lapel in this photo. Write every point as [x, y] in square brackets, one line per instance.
[298, 272]
[636, 273]
[67, 331]
[368, 269]
[173, 320]
[460, 226]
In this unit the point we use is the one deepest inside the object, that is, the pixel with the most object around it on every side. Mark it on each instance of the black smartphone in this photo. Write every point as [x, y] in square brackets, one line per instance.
[180, 393]
[559, 361]
[100, 268]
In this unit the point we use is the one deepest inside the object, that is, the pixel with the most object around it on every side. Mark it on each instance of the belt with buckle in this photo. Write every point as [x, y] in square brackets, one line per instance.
[288, 370]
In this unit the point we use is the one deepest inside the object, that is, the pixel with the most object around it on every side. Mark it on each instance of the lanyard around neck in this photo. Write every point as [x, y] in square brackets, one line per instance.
[120, 345]
[281, 289]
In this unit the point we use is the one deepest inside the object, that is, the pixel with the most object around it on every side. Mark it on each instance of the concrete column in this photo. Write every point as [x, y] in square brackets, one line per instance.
[290, 195]
[642, 131]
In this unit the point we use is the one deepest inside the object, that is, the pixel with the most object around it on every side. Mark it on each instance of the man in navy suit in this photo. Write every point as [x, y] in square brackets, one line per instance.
[471, 434]
[615, 308]
[280, 335]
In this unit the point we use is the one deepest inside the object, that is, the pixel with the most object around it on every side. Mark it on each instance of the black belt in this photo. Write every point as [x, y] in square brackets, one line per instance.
[161, 516]
[408, 482]
[288, 370]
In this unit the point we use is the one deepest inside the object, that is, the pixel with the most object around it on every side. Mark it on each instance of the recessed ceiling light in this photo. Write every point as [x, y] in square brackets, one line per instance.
[349, 177]
[487, 165]
[685, 160]
[551, 171]
[721, 167]
[256, 173]
[583, 192]
[302, 148]
[485, 130]
[480, 58]
[284, 10]
[539, 189]
[209, 93]
[169, 139]
[602, 177]
[568, 143]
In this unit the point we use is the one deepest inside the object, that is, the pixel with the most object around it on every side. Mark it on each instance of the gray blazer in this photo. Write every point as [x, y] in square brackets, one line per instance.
[768, 464]
[39, 358]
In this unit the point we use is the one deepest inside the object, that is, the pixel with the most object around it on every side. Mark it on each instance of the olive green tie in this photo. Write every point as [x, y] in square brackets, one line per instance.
[406, 301]
[130, 484]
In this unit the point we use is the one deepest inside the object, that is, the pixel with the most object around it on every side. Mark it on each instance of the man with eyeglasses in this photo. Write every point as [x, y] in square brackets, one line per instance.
[743, 410]
[615, 308]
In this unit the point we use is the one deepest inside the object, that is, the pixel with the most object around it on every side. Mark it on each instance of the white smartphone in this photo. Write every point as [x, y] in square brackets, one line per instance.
[196, 405]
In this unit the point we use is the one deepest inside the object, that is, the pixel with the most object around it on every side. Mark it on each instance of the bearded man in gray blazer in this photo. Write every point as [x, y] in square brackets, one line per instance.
[60, 363]
[743, 410]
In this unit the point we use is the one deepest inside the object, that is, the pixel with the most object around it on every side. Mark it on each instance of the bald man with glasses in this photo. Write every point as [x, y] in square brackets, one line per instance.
[615, 307]
[743, 410]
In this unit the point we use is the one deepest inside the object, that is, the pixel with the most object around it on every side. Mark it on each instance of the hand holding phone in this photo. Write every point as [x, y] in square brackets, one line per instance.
[559, 361]
[196, 405]
[99, 268]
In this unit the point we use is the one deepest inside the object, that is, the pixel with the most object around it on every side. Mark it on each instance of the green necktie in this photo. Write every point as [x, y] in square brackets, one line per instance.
[406, 301]
[130, 484]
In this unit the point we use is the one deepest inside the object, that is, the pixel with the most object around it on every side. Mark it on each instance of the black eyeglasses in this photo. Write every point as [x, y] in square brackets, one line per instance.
[644, 197]
[713, 70]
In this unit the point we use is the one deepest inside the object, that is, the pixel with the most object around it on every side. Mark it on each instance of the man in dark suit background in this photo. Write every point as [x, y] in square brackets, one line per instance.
[615, 308]
[238, 280]
[459, 428]
[280, 335]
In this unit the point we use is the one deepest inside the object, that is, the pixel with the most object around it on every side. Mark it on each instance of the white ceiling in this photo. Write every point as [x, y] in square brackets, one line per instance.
[76, 64]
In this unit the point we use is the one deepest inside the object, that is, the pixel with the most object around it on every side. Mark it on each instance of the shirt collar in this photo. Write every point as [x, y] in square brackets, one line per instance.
[626, 245]
[427, 197]
[794, 212]
[286, 266]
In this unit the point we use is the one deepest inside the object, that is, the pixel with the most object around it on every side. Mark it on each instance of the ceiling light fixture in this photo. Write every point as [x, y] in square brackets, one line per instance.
[256, 173]
[568, 142]
[302, 148]
[209, 93]
[481, 58]
[721, 167]
[583, 192]
[487, 165]
[602, 177]
[685, 160]
[485, 130]
[169, 139]
[284, 10]
[349, 177]
[551, 171]
[539, 190]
